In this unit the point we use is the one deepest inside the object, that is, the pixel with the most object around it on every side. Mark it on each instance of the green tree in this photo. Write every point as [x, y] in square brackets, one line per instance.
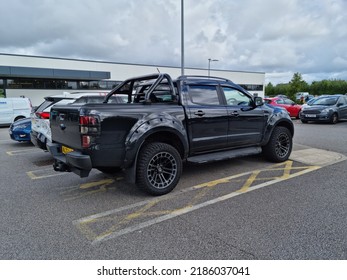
[282, 89]
[269, 89]
[328, 87]
[297, 84]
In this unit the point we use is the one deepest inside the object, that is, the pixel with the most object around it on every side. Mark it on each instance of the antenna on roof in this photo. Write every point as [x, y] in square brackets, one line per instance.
[158, 70]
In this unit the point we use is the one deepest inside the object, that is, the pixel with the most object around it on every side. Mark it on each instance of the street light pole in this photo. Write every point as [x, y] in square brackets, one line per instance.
[182, 37]
[209, 64]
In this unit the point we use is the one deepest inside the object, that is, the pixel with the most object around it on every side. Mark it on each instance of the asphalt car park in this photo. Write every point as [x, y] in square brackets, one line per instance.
[240, 209]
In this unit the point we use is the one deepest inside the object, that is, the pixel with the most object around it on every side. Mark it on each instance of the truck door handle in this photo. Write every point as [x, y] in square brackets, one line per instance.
[199, 113]
[235, 113]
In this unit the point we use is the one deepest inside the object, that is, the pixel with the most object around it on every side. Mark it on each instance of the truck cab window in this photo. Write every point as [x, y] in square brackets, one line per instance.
[235, 97]
[206, 95]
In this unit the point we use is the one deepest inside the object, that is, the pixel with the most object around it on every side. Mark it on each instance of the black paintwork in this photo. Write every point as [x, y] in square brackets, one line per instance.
[173, 117]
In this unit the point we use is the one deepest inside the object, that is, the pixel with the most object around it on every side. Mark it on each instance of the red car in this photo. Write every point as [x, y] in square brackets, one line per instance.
[292, 108]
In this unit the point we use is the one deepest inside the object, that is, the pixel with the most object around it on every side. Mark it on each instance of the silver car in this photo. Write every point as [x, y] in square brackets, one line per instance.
[40, 126]
[329, 108]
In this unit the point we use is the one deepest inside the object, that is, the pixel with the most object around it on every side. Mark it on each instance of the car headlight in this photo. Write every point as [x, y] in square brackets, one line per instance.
[326, 111]
[21, 126]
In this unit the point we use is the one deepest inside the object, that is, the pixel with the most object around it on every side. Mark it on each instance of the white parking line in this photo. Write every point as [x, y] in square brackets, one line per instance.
[42, 173]
[23, 152]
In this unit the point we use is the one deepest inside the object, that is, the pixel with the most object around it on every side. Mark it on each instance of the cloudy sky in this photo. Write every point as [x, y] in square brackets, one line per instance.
[278, 37]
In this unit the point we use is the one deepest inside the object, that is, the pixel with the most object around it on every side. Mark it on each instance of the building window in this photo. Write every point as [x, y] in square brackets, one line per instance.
[23, 83]
[94, 85]
[13, 84]
[112, 84]
[252, 87]
[71, 85]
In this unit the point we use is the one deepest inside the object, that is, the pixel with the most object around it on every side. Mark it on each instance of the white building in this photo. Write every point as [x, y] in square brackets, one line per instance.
[36, 77]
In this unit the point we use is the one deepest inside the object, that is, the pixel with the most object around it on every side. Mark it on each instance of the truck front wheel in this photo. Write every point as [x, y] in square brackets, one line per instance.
[159, 168]
[280, 145]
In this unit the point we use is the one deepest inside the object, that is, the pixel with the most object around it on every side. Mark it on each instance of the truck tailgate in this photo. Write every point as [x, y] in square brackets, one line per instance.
[65, 127]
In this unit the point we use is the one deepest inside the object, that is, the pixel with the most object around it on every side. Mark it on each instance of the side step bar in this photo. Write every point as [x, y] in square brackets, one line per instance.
[223, 155]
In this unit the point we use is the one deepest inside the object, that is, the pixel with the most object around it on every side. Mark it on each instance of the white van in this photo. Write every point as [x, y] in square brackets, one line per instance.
[13, 109]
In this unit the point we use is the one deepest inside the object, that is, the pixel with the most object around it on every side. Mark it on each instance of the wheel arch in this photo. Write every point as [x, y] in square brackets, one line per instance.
[285, 123]
[168, 137]
[173, 136]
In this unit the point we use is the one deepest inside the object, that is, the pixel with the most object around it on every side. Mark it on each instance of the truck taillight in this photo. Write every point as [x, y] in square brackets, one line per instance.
[89, 125]
[88, 120]
[89, 128]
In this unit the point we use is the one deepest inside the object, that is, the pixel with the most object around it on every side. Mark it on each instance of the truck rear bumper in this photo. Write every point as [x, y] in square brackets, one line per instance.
[74, 161]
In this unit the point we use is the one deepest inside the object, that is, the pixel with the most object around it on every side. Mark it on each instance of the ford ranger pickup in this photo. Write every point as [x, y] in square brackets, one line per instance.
[162, 123]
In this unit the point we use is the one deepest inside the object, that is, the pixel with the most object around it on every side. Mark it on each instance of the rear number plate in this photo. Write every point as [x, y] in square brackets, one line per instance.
[66, 150]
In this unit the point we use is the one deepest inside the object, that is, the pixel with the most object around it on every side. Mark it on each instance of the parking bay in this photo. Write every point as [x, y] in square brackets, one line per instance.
[108, 207]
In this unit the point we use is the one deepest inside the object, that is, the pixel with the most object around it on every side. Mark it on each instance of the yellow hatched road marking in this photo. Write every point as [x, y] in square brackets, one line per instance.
[91, 188]
[249, 181]
[123, 220]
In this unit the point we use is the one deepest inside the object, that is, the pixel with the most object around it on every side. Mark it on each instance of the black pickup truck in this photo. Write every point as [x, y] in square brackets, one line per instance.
[159, 123]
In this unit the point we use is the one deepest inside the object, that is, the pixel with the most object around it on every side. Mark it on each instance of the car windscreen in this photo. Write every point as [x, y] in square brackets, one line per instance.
[325, 101]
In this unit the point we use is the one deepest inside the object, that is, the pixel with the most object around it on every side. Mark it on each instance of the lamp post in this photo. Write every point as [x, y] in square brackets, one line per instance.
[182, 37]
[209, 64]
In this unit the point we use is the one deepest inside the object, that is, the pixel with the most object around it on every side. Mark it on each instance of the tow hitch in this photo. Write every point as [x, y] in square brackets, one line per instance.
[61, 166]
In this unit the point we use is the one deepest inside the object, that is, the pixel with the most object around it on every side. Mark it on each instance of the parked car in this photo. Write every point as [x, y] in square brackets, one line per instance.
[13, 109]
[20, 130]
[329, 108]
[40, 127]
[292, 108]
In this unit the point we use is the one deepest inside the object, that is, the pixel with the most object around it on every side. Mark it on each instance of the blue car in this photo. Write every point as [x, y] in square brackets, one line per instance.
[20, 130]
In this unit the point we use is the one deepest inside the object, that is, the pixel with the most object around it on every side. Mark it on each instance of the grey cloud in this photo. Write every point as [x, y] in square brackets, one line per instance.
[272, 36]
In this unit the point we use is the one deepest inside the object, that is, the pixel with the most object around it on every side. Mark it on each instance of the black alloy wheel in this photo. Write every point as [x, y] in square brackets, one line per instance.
[159, 168]
[280, 145]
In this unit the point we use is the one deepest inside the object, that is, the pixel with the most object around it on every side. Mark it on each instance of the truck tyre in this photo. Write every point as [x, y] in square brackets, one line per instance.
[280, 145]
[159, 168]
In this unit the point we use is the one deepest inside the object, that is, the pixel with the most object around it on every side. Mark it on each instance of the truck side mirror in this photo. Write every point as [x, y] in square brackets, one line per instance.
[258, 101]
